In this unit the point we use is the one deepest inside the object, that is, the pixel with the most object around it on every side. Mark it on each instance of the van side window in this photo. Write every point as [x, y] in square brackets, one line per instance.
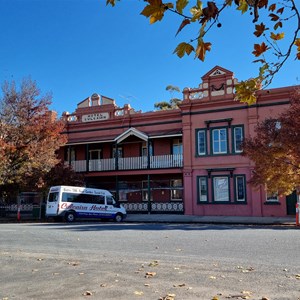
[83, 198]
[110, 200]
[100, 199]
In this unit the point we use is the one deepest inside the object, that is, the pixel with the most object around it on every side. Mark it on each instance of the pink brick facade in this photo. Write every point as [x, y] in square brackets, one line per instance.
[186, 160]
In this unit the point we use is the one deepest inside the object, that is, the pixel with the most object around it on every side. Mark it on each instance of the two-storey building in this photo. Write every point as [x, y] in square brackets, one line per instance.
[186, 160]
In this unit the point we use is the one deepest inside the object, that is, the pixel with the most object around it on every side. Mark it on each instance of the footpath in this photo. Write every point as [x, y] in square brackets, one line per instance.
[175, 218]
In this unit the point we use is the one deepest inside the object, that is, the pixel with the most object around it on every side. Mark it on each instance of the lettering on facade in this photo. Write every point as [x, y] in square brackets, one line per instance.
[95, 117]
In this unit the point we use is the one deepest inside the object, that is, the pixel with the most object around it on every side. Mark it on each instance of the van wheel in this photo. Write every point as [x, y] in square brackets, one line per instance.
[70, 217]
[118, 218]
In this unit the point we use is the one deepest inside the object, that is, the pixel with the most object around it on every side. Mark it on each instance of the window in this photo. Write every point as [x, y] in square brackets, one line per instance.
[201, 139]
[120, 152]
[95, 154]
[202, 189]
[237, 139]
[221, 188]
[145, 191]
[145, 149]
[177, 146]
[219, 141]
[240, 188]
[176, 189]
[82, 198]
[272, 197]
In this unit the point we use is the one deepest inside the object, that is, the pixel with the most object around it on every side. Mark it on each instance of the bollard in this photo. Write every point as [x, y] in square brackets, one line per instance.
[297, 214]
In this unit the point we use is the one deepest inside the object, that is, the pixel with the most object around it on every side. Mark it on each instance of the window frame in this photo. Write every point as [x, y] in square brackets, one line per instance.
[176, 188]
[204, 131]
[199, 178]
[236, 192]
[271, 198]
[212, 150]
[214, 177]
[234, 140]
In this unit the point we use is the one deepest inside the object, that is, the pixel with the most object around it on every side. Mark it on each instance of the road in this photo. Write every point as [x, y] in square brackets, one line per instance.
[148, 261]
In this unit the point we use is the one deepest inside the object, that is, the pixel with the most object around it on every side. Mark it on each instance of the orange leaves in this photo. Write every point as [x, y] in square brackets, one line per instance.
[297, 44]
[180, 5]
[186, 48]
[260, 49]
[243, 6]
[182, 25]
[111, 2]
[202, 48]
[277, 36]
[260, 29]
[183, 48]
[246, 90]
[155, 10]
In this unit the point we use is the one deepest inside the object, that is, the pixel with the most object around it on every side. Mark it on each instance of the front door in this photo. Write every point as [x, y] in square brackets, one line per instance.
[291, 201]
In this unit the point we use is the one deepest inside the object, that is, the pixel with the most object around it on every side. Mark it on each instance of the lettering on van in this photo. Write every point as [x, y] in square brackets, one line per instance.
[72, 206]
[81, 207]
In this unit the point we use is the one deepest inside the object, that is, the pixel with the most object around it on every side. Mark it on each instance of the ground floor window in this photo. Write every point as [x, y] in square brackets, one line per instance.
[240, 188]
[272, 196]
[176, 189]
[202, 189]
[221, 189]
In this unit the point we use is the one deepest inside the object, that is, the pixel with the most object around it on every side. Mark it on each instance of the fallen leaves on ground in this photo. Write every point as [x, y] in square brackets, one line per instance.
[139, 293]
[168, 297]
[87, 293]
[150, 274]
[153, 263]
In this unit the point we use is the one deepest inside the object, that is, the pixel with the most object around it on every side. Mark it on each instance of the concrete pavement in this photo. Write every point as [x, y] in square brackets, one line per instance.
[174, 218]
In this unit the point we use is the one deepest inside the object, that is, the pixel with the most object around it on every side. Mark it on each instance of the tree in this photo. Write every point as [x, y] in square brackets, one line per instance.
[173, 103]
[275, 150]
[30, 136]
[268, 51]
[62, 174]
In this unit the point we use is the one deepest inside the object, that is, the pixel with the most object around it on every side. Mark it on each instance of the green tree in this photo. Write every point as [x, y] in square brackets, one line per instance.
[275, 150]
[30, 136]
[173, 103]
[269, 19]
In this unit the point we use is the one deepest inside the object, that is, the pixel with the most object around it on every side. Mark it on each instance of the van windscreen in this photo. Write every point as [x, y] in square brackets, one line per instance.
[53, 197]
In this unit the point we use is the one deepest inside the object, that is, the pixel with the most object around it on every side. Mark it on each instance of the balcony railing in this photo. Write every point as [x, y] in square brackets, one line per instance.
[129, 163]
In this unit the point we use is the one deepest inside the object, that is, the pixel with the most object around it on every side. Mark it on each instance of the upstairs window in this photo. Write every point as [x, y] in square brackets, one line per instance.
[117, 152]
[201, 142]
[95, 154]
[219, 141]
[237, 139]
[177, 146]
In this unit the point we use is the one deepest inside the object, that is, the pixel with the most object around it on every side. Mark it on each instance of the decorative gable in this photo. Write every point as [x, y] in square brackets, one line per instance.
[217, 84]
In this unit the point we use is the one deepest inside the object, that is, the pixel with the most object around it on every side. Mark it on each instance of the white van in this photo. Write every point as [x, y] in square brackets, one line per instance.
[72, 202]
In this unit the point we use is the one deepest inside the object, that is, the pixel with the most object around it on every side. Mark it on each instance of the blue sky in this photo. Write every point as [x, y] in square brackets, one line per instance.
[74, 48]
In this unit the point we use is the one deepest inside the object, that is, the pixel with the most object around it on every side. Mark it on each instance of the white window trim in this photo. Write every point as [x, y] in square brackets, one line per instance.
[272, 198]
[236, 188]
[204, 133]
[218, 151]
[227, 200]
[234, 139]
[199, 188]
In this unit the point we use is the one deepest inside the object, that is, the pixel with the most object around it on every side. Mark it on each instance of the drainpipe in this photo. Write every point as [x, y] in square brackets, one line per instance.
[87, 166]
[149, 194]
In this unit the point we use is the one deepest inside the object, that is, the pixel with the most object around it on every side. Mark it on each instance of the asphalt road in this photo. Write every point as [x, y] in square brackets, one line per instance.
[148, 261]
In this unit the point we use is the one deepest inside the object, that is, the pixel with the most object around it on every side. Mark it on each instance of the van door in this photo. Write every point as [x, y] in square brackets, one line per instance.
[110, 208]
[52, 204]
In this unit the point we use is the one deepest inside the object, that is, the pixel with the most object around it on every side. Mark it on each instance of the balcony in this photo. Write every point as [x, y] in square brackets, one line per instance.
[129, 163]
